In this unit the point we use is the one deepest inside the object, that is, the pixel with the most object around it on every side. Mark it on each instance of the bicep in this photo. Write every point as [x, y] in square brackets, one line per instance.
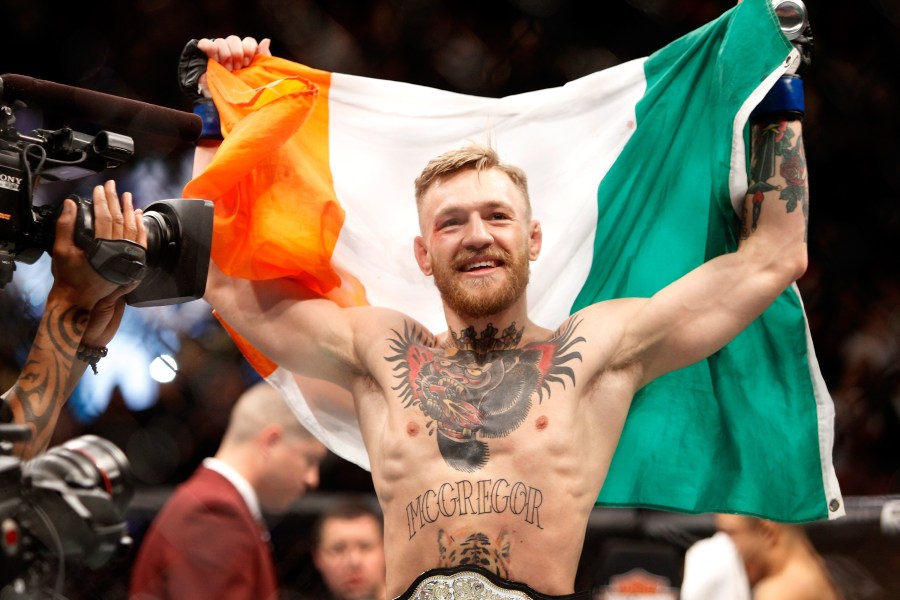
[698, 314]
[306, 334]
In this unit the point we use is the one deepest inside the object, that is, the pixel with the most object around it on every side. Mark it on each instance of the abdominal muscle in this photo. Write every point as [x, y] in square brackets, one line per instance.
[522, 516]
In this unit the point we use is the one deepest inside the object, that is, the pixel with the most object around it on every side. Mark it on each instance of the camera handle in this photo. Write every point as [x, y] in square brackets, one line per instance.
[10, 433]
[7, 268]
[122, 262]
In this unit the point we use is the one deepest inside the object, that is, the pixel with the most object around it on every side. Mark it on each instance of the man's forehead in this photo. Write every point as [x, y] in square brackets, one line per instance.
[349, 525]
[349, 520]
[491, 187]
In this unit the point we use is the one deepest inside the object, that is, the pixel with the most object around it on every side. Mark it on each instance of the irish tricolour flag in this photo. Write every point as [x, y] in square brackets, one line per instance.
[634, 172]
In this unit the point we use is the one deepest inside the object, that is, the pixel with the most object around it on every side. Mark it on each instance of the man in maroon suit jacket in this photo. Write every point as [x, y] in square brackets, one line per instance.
[209, 540]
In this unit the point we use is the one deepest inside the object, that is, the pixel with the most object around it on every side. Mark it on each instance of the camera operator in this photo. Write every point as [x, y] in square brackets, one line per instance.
[82, 313]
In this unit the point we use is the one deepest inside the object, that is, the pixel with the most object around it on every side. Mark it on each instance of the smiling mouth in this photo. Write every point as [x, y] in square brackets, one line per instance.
[480, 265]
[474, 264]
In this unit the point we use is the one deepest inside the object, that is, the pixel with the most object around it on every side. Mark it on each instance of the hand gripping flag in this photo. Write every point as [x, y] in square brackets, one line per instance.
[635, 173]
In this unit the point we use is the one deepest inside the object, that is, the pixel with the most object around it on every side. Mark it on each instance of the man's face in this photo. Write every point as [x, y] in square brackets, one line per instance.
[477, 239]
[292, 470]
[750, 540]
[350, 558]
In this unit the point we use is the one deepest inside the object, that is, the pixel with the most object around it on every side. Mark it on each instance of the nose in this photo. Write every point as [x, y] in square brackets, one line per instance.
[477, 234]
[354, 556]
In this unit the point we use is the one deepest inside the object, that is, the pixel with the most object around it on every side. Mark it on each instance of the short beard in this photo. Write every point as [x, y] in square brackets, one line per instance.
[465, 299]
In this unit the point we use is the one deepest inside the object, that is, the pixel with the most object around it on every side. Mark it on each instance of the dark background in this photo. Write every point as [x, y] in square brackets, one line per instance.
[496, 48]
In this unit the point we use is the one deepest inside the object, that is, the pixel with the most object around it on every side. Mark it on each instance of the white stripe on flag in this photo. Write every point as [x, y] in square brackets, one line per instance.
[565, 139]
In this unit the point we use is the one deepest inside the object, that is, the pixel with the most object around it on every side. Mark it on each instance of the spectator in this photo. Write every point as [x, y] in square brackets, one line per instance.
[210, 540]
[348, 551]
[780, 561]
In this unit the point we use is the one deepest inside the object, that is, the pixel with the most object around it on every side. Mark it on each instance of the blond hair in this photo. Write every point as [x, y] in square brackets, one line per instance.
[474, 156]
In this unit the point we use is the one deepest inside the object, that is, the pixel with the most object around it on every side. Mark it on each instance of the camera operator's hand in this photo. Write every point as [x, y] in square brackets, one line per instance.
[114, 219]
[82, 314]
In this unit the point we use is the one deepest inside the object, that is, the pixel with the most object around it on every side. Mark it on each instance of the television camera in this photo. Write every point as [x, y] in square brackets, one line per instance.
[66, 504]
[174, 266]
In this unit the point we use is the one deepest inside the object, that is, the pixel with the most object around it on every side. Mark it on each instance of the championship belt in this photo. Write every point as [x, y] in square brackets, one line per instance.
[474, 583]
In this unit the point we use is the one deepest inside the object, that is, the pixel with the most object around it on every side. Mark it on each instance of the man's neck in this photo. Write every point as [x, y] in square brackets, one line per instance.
[502, 331]
[515, 316]
[489, 339]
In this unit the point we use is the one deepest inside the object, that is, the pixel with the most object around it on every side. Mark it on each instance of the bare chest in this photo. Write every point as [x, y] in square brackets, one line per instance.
[474, 396]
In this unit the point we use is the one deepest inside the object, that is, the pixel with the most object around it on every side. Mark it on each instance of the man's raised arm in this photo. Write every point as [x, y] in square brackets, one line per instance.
[300, 331]
[700, 313]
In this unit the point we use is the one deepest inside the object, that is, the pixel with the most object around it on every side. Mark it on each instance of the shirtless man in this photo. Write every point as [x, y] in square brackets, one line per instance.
[780, 561]
[489, 442]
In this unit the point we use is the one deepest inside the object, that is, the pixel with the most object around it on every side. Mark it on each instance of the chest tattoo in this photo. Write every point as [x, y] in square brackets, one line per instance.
[481, 387]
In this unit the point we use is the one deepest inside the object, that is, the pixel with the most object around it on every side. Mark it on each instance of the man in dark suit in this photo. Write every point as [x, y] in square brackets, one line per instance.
[210, 540]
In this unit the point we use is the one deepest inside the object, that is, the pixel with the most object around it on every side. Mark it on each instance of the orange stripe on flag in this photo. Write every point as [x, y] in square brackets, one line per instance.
[276, 213]
[257, 359]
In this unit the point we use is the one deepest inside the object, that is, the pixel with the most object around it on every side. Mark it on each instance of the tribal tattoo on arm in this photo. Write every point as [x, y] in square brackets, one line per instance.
[44, 384]
[482, 386]
[771, 141]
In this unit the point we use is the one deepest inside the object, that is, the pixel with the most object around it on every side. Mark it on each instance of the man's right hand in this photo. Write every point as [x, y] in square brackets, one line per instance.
[233, 52]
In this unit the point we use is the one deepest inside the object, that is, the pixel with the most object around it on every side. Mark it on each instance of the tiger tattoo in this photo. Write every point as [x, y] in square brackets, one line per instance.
[477, 550]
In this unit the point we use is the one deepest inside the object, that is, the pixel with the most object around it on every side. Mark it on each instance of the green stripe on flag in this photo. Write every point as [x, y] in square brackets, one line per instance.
[737, 432]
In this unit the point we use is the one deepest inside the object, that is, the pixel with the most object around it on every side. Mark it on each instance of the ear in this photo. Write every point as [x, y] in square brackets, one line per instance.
[269, 436]
[423, 257]
[535, 240]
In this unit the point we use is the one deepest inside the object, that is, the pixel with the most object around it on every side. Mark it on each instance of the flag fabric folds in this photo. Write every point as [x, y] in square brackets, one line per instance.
[634, 172]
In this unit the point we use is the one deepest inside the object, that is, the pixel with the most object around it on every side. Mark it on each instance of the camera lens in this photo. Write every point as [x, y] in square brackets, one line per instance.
[75, 497]
[87, 463]
[162, 238]
[179, 236]
[109, 464]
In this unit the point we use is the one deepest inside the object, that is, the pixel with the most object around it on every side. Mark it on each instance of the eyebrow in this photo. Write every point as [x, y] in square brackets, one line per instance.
[457, 207]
